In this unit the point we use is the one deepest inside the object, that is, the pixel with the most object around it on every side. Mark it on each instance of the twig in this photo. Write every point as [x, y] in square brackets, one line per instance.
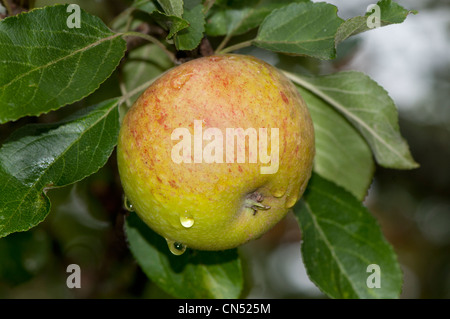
[236, 47]
[208, 5]
[125, 12]
[141, 87]
[128, 24]
[224, 42]
[123, 90]
[152, 40]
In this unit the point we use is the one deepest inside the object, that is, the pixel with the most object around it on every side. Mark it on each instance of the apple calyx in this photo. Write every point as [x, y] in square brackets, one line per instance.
[254, 201]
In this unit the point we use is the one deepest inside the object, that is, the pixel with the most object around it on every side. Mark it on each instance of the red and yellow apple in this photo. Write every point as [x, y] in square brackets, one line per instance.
[216, 151]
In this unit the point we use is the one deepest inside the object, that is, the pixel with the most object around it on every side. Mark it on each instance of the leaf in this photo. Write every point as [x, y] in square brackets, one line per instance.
[172, 23]
[189, 38]
[195, 274]
[38, 157]
[45, 65]
[169, 21]
[302, 29]
[340, 240]
[369, 108]
[390, 12]
[191, 4]
[342, 154]
[241, 17]
[144, 5]
[172, 7]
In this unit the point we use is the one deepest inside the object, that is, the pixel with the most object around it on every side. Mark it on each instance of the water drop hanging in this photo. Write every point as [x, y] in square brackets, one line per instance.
[291, 200]
[175, 247]
[128, 205]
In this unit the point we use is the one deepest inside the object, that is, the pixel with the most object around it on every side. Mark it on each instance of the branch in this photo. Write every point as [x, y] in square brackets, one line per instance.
[140, 88]
[152, 40]
[236, 47]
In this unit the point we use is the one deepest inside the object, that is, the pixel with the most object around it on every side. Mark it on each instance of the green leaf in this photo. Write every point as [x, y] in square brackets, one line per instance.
[171, 19]
[242, 17]
[195, 274]
[38, 157]
[168, 20]
[44, 64]
[172, 23]
[301, 28]
[172, 7]
[369, 108]
[191, 4]
[340, 240]
[189, 38]
[390, 12]
[342, 154]
[145, 5]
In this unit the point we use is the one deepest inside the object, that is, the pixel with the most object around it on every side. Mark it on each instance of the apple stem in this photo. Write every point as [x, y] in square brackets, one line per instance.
[234, 47]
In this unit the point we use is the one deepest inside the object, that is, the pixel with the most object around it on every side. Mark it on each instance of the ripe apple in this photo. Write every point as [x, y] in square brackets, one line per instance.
[216, 151]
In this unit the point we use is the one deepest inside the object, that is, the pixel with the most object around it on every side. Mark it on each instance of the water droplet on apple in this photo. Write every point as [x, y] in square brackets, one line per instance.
[128, 205]
[186, 221]
[279, 193]
[291, 200]
[175, 247]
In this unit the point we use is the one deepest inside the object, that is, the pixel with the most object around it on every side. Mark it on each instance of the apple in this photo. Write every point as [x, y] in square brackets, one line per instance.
[216, 151]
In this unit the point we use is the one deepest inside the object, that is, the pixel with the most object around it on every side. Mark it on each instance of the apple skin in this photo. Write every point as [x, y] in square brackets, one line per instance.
[224, 91]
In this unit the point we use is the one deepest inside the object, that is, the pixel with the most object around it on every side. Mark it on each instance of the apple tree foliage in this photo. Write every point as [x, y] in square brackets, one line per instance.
[48, 62]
